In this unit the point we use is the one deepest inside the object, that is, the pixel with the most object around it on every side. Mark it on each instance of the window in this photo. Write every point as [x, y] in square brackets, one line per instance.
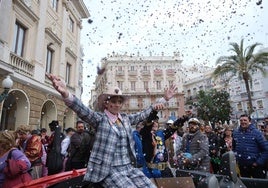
[19, 37]
[188, 93]
[260, 104]
[49, 60]
[170, 83]
[145, 68]
[172, 102]
[158, 85]
[133, 86]
[71, 24]
[239, 106]
[54, 4]
[146, 102]
[68, 73]
[238, 90]
[145, 85]
[132, 68]
[257, 85]
[119, 68]
[247, 105]
[173, 114]
[120, 84]
[133, 103]
[194, 91]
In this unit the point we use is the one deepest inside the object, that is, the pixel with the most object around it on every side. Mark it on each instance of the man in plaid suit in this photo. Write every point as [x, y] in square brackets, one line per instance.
[112, 160]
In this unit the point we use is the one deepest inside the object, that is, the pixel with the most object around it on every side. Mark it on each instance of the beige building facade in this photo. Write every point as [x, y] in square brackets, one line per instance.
[39, 37]
[143, 79]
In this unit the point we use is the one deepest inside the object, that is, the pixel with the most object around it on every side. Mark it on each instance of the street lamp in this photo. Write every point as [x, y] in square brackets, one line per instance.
[7, 83]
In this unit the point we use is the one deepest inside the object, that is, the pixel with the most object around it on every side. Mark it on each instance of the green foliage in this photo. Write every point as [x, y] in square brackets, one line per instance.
[213, 105]
[243, 64]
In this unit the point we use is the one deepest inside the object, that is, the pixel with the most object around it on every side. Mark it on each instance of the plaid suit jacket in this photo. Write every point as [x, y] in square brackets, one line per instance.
[107, 136]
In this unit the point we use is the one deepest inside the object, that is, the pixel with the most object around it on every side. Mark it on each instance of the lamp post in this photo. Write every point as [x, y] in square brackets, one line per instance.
[7, 83]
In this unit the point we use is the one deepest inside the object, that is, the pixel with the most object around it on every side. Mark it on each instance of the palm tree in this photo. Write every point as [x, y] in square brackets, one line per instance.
[244, 63]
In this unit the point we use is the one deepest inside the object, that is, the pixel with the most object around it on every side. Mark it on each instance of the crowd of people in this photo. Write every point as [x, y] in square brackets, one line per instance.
[116, 155]
[41, 154]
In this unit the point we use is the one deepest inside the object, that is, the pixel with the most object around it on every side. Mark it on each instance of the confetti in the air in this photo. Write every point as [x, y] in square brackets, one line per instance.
[200, 30]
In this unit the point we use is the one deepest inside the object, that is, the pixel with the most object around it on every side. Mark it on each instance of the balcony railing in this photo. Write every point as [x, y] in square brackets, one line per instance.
[245, 94]
[132, 73]
[158, 72]
[145, 73]
[170, 72]
[21, 66]
[120, 73]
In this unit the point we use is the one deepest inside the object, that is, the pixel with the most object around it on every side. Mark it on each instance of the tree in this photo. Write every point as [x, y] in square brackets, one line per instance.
[243, 64]
[213, 105]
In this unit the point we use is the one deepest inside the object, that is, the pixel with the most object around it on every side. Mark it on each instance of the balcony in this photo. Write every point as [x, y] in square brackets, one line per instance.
[120, 73]
[170, 72]
[158, 72]
[132, 73]
[245, 95]
[21, 66]
[145, 73]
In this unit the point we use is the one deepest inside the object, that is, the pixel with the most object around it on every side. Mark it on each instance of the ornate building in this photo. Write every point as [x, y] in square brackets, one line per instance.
[39, 37]
[144, 79]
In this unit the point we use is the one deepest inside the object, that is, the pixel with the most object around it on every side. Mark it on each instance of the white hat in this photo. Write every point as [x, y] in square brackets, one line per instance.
[194, 120]
[109, 93]
[170, 121]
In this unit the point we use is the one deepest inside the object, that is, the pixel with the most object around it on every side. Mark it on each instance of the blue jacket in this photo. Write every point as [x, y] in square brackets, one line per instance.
[250, 146]
[138, 149]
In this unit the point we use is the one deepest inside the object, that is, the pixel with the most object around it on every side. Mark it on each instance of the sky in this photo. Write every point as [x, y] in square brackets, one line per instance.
[200, 30]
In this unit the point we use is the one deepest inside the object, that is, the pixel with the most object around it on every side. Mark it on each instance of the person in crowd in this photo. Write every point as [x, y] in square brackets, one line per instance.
[213, 141]
[265, 131]
[65, 145]
[54, 162]
[66, 141]
[44, 152]
[265, 127]
[202, 128]
[79, 150]
[218, 130]
[251, 149]
[54, 127]
[138, 145]
[194, 154]
[226, 142]
[170, 144]
[8, 144]
[31, 145]
[44, 137]
[45, 141]
[173, 144]
[112, 159]
[154, 146]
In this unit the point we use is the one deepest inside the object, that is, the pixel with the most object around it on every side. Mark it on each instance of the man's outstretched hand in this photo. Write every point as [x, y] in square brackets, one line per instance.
[59, 85]
[170, 92]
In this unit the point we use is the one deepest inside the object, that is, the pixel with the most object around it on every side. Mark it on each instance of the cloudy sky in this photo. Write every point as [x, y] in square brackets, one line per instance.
[201, 30]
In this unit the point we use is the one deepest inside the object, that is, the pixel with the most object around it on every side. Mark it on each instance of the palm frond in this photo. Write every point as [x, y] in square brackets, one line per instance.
[250, 49]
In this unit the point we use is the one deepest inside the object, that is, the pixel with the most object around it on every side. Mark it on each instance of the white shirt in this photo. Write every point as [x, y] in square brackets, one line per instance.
[64, 145]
